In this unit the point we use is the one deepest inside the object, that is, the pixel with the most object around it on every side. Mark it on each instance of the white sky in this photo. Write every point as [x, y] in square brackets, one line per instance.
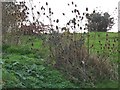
[60, 6]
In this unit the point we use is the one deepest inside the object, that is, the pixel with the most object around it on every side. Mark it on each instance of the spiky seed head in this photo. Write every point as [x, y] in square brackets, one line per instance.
[86, 9]
[46, 3]
[63, 13]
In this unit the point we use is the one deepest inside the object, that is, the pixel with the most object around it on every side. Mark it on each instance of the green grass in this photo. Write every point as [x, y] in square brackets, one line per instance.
[107, 84]
[26, 71]
[25, 68]
[98, 40]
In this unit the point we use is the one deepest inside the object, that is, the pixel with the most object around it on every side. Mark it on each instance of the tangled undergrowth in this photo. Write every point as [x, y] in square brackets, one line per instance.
[70, 55]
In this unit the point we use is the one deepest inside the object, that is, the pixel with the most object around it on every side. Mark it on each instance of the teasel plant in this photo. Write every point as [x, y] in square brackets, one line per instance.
[68, 51]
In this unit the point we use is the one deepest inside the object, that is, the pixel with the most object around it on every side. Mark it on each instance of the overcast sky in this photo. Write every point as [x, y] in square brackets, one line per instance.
[60, 6]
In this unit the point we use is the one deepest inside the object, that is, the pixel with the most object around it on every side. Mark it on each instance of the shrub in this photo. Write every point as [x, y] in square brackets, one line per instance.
[70, 55]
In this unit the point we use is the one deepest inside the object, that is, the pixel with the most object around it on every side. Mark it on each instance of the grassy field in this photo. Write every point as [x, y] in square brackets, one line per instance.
[105, 44]
[25, 69]
[24, 64]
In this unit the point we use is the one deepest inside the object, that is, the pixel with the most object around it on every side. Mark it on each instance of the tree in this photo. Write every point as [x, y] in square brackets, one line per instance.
[99, 22]
[13, 14]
